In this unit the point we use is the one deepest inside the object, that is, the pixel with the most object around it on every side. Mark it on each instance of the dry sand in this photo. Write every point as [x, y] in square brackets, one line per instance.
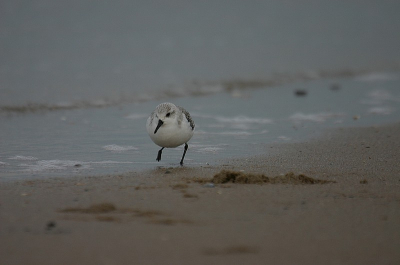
[180, 216]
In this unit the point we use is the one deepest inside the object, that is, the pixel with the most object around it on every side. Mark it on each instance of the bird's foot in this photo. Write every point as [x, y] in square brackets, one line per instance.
[159, 155]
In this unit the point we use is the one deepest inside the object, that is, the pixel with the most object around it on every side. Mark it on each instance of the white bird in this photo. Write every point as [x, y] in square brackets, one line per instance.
[170, 126]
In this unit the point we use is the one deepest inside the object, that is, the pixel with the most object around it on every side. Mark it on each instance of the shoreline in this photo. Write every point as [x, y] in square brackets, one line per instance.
[196, 88]
[163, 216]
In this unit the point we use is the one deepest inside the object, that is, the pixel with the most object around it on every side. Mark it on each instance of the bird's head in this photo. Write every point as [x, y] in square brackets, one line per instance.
[165, 113]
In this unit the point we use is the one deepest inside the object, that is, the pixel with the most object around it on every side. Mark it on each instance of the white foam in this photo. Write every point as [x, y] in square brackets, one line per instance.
[137, 116]
[374, 77]
[2, 164]
[65, 104]
[201, 132]
[237, 120]
[243, 119]
[50, 165]
[380, 96]
[60, 165]
[118, 148]
[208, 89]
[317, 117]
[381, 110]
[235, 133]
[99, 103]
[232, 133]
[209, 149]
[203, 148]
[111, 162]
[23, 158]
[241, 126]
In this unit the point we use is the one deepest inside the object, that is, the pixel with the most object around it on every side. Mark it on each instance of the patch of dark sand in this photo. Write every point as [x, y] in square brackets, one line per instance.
[232, 250]
[115, 214]
[183, 189]
[102, 208]
[179, 186]
[229, 176]
[148, 213]
[170, 221]
[93, 209]
[189, 195]
[107, 218]
[145, 188]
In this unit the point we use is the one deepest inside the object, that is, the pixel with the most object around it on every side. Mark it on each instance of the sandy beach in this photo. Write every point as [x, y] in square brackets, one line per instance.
[295, 154]
[180, 216]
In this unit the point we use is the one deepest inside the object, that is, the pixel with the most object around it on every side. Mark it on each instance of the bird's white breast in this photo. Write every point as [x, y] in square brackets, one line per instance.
[169, 135]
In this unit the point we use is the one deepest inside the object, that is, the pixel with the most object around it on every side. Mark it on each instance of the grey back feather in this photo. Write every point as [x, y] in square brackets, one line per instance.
[187, 115]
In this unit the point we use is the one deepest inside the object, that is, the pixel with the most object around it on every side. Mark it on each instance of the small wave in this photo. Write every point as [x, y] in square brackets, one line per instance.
[375, 77]
[24, 158]
[137, 116]
[379, 96]
[232, 133]
[204, 148]
[243, 119]
[118, 148]
[381, 110]
[209, 150]
[49, 165]
[240, 122]
[3, 164]
[318, 117]
[235, 133]
[108, 162]
[35, 107]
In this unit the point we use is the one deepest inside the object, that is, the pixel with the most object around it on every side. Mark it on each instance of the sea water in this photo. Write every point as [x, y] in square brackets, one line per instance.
[113, 140]
[78, 79]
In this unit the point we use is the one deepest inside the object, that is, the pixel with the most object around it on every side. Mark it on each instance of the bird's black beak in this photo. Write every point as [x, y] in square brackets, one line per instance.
[160, 122]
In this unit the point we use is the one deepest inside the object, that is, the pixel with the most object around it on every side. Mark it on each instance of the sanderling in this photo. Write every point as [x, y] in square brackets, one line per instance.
[170, 126]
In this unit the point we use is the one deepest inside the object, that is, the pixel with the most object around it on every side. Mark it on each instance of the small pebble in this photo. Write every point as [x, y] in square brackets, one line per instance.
[50, 225]
[300, 92]
[209, 185]
[335, 87]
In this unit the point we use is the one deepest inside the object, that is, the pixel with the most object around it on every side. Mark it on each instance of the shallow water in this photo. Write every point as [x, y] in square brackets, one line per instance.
[77, 80]
[92, 141]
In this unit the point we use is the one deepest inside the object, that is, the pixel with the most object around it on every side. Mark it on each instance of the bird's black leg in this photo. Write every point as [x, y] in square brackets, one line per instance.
[184, 153]
[159, 154]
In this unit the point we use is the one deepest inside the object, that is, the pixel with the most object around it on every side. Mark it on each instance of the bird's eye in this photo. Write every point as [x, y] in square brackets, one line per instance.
[168, 114]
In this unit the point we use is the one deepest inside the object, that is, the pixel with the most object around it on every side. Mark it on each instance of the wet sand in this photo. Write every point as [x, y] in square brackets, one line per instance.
[349, 215]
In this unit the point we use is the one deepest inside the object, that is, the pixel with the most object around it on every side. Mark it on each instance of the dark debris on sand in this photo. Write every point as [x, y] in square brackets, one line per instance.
[229, 176]
[93, 209]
